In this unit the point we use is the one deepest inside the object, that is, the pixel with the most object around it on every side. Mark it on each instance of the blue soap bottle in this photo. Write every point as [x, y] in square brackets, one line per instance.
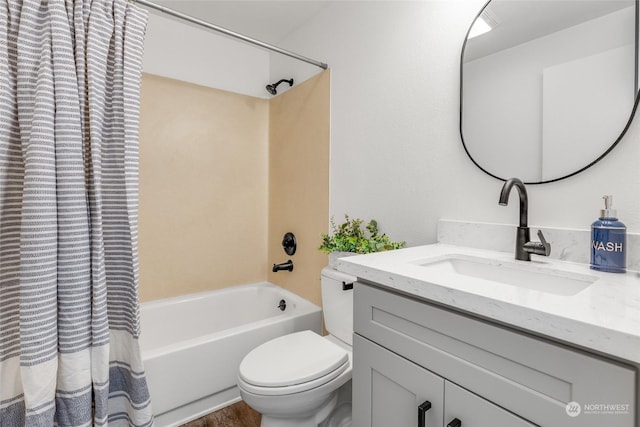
[608, 241]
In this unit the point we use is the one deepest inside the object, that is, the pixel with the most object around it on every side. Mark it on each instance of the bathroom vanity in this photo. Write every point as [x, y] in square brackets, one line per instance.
[454, 336]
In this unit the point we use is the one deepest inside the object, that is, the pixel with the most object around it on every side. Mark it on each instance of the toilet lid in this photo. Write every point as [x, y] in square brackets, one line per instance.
[292, 359]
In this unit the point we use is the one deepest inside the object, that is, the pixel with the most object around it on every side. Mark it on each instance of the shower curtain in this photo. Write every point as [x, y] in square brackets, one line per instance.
[69, 107]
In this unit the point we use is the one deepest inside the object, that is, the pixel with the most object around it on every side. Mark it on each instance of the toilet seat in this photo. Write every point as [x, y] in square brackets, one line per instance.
[291, 364]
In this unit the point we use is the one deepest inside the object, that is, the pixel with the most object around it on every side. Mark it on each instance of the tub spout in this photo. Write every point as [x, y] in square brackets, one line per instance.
[284, 266]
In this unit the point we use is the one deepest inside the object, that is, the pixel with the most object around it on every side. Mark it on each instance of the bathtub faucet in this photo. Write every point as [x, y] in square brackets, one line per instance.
[284, 266]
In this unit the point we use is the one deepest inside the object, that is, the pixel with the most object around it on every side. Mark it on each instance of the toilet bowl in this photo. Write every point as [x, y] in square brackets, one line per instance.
[293, 380]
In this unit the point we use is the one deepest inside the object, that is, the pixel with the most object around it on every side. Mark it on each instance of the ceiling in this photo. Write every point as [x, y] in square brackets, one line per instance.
[266, 20]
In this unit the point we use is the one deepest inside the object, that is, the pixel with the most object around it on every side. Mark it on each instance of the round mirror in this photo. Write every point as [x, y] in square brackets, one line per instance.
[547, 88]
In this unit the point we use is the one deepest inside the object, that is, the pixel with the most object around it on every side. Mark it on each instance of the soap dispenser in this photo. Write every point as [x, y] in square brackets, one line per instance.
[608, 241]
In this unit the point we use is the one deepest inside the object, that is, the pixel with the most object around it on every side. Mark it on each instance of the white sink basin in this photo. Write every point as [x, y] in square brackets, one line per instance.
[530, 276]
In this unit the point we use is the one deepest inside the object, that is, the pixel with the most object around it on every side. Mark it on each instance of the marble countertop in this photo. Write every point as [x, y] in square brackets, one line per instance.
[604, 316]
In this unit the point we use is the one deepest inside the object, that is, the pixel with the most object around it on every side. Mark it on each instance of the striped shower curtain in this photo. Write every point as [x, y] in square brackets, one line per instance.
[69, 108]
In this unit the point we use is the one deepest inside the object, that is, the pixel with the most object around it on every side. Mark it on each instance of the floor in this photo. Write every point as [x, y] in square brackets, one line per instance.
[236, 415]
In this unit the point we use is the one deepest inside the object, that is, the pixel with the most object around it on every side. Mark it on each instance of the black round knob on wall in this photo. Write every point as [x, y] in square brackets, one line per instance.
[289, 243]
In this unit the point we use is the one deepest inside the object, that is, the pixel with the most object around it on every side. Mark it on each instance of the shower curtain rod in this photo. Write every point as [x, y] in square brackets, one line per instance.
[230, 33]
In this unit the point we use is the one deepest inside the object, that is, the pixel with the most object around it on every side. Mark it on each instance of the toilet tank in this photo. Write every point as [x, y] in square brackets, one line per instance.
[337, 304]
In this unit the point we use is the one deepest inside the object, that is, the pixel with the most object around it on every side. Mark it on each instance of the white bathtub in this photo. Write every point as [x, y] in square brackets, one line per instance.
[192, 345]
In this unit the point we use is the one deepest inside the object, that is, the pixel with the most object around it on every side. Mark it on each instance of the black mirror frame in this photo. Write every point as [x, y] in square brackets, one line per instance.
[624, 131]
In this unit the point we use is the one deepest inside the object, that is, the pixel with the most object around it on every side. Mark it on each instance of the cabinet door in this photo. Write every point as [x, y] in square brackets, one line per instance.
[473, 411]
[388, 389]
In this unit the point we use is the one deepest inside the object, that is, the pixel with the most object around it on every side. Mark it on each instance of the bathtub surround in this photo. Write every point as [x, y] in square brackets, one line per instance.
[203, 188]
[222, 178]
[299, 182]
[70, 81]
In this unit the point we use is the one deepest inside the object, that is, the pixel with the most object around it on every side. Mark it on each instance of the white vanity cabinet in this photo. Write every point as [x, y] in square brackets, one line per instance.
[408, 352]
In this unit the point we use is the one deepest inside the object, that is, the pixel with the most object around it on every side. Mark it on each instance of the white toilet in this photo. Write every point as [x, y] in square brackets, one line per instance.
[294, 380]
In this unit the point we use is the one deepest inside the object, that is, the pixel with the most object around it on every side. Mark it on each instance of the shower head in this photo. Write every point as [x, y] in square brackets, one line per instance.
[272, 88]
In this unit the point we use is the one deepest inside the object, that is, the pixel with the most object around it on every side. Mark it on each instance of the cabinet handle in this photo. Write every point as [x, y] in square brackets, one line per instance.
[455, 423]
[422, 411]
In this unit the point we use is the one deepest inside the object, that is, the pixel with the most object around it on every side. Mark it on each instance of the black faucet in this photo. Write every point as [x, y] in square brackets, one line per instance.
[284, 266]
[524, 246]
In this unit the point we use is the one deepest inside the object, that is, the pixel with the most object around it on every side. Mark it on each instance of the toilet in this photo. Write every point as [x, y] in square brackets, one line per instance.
[296, 380]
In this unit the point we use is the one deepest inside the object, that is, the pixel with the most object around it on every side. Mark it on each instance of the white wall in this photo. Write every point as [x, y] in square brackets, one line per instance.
[192, 54]
[396, 153]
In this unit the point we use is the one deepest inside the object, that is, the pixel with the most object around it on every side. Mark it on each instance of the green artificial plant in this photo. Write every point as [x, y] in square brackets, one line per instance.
[350, 236]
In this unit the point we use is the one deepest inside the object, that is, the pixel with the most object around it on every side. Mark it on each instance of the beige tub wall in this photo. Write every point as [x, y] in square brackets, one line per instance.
[299, 182]
[203, 188]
